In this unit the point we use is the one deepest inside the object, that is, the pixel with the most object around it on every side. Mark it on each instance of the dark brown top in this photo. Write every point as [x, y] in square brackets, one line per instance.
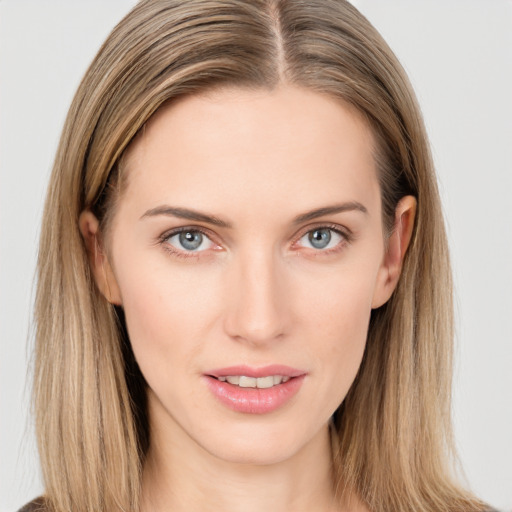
[38, 506]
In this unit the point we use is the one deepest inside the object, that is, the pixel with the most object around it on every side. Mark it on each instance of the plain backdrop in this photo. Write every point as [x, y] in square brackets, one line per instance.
[459, 57]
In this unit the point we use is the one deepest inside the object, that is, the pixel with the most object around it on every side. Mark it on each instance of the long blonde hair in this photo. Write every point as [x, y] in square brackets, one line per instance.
[392, 437]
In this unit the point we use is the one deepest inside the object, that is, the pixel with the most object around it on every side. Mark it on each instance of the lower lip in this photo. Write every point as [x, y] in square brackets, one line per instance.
[254, 400]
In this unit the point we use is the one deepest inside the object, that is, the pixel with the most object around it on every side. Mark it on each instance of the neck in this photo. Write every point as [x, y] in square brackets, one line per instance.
[180, 475]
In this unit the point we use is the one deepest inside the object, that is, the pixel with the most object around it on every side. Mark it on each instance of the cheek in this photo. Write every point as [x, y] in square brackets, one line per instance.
[146, 321]
[162, 309]
[338, 325]
[348, 328]
[338, 301]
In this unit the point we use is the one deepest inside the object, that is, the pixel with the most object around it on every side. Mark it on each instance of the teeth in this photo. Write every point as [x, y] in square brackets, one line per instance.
[265, 382]
[253, 382]
[247, 382]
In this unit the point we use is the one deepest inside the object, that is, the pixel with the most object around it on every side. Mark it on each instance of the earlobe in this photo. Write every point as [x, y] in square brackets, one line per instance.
[398, 242]
[100, 266]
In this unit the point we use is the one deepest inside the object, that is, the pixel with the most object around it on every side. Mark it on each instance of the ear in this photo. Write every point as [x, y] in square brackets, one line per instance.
[391, 267]
[100, 266]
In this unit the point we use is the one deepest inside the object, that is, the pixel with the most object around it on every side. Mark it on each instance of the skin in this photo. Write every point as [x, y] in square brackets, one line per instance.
[256, 293]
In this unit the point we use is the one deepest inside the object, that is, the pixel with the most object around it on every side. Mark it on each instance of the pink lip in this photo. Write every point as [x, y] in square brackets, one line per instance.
[264, 371]
[254, 400]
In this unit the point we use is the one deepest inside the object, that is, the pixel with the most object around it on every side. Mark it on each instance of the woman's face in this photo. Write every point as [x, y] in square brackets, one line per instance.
[248, 247]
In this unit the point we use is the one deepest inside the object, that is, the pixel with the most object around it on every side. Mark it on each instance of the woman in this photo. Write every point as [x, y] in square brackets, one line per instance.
[252, 308]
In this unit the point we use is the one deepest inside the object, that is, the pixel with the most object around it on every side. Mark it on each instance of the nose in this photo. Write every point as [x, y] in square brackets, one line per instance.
[258, 312]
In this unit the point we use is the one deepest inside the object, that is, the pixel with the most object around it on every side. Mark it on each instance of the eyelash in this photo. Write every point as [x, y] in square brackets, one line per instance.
[345, 234]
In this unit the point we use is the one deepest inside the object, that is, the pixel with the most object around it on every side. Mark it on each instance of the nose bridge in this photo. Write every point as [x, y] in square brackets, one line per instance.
[257, 312]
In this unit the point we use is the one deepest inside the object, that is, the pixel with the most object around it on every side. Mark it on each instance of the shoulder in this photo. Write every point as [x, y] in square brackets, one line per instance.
[37, 505]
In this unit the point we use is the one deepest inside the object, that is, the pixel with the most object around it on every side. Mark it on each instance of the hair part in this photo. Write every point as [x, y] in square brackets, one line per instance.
[392, 441]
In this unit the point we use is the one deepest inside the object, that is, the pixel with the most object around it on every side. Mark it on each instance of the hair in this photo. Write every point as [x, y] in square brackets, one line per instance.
[392, 440]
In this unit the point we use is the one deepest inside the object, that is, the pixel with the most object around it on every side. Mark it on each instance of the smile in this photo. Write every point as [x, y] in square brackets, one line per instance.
[250, 390]
[255, 382]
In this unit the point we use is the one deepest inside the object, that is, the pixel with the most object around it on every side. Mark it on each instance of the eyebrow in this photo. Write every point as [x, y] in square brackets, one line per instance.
[330, 210]
[186, 213]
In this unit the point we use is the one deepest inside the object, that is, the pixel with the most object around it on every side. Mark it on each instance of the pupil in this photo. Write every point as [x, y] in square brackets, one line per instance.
[191, 240]
[320, 238]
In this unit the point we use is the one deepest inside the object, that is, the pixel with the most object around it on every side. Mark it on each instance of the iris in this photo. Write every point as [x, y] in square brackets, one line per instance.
[191, 240]
[320, 238]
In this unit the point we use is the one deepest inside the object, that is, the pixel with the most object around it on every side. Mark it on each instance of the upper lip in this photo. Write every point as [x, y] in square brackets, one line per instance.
[263, 371]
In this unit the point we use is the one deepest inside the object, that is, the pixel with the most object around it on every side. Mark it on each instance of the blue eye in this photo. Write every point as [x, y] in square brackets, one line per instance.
[321, 238]
[190, 241]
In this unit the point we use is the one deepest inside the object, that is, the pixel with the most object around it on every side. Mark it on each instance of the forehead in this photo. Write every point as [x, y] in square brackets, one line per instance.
[231, 144]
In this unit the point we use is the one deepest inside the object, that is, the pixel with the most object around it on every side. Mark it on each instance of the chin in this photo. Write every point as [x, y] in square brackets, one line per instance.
[259, 444]
[254, 454]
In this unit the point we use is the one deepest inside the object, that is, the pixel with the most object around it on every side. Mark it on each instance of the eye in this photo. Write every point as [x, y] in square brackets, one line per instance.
[190, 240]
[322, 238]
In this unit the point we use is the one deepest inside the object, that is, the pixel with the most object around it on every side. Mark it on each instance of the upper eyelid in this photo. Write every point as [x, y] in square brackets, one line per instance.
[303, 230]
[176, 231]
[344, 231]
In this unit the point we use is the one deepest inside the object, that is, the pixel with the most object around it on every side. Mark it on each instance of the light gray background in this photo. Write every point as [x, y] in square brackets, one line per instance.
[459, 56]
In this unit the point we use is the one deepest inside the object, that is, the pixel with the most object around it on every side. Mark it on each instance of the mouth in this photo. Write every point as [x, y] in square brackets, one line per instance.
[243, 381]
[255, 390]
[249, 372]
